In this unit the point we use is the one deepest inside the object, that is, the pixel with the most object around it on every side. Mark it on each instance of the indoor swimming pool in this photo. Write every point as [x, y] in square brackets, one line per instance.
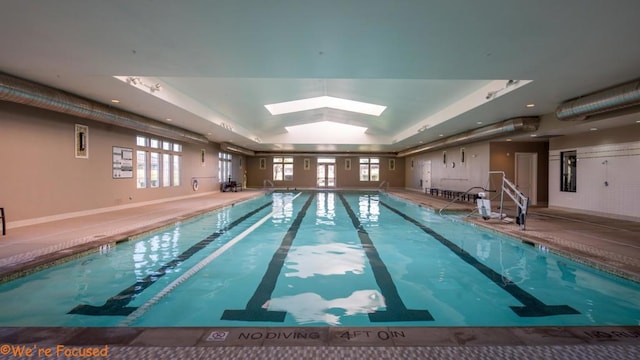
[320, 258]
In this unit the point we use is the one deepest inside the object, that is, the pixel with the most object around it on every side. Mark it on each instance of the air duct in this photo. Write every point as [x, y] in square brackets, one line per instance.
[237, 149]
[28, 93]
[616, 98]
[511, 126]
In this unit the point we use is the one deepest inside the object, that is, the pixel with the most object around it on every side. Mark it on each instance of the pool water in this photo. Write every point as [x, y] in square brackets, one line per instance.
[326, 258]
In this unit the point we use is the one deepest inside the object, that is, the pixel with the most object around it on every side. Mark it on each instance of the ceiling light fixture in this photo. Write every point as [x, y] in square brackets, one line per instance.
[325, 102]
[115, 101]
[530, 105]
[136, 80]
[494, 94]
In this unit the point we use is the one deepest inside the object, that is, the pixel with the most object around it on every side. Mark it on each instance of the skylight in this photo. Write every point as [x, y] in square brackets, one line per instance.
[322, 102]
[326, 127]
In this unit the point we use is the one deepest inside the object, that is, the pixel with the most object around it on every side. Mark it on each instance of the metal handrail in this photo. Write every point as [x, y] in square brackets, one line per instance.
[459, 196]
[384, 182]
[521, 200]
[267, 181]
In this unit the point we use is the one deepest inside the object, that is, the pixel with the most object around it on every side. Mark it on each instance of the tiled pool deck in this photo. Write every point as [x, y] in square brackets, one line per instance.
[610, 244]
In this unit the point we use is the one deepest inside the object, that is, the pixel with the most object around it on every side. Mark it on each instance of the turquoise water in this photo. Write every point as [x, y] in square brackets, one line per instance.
[318, 259]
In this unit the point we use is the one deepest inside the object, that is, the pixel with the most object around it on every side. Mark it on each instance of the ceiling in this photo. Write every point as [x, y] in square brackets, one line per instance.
[431, 63]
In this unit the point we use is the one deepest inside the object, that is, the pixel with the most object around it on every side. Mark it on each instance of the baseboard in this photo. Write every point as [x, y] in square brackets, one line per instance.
[69, 215]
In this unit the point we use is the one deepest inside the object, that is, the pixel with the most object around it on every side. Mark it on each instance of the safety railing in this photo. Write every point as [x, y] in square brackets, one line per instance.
[384, 186]
[461, 195]
[268, 185]
[521, 200]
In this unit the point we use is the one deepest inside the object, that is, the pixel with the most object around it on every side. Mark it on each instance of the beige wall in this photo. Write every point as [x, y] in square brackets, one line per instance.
[307, 178]
[41, 177]
[503, 159]
[455, 174]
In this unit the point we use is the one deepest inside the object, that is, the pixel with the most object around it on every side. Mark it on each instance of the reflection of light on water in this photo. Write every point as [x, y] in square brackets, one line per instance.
[325, 259]
[311, 307]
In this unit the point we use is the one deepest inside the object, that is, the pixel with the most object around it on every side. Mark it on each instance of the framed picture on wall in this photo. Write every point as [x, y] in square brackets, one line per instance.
[307, 164]
[263, 163]
[82, 141]
[347, 164]
[392, 164]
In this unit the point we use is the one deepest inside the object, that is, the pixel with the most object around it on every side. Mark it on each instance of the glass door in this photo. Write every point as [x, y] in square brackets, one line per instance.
[326, 173]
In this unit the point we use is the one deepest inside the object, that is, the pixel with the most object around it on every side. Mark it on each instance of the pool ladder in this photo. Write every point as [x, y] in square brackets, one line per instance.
[521, 200]
[461, 195]
[269, 189]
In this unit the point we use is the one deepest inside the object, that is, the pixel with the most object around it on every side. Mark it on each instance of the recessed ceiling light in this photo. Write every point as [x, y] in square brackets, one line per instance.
[638, 121]
[325, 102]
[479, 122]
[593, 129]
[441, 135]
[530, 105]
[115, 101]
[169, 119]
[508, 139]
[533, 135]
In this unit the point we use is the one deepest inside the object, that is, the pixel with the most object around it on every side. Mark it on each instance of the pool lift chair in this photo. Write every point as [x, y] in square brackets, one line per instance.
[484, 204]
[521, 200]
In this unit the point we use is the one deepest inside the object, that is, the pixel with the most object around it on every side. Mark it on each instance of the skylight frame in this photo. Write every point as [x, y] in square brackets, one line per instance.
[320, 102]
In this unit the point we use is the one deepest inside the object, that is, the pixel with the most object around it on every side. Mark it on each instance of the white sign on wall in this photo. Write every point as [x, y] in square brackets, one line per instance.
[122, 162]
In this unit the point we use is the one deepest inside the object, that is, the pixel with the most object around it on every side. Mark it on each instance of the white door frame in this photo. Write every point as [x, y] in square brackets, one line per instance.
[426, 175]
[533, 175]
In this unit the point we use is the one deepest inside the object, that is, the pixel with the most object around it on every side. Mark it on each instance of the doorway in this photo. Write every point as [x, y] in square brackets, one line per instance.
[426, 175]
[527, 175]
[326, 172]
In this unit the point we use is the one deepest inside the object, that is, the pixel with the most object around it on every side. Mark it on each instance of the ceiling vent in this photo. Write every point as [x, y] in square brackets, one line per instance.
[32, 94]
[511, 126]
[609, 100]
[236, 149]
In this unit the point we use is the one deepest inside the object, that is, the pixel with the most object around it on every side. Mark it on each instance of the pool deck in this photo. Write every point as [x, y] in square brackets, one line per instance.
[610, 244]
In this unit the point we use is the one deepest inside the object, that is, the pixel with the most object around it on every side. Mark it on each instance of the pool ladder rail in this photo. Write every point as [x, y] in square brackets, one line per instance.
[384, 186]
[461, 195]
[507, 187]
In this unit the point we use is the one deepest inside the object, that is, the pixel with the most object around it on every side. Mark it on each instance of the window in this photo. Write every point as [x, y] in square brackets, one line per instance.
[141, 169]
[283, 168]
[141, 141]
[369, 169]
[224, 166]
[154, 177]
[568, 164]
[155, 169]
[166, 170]
[176, 170]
